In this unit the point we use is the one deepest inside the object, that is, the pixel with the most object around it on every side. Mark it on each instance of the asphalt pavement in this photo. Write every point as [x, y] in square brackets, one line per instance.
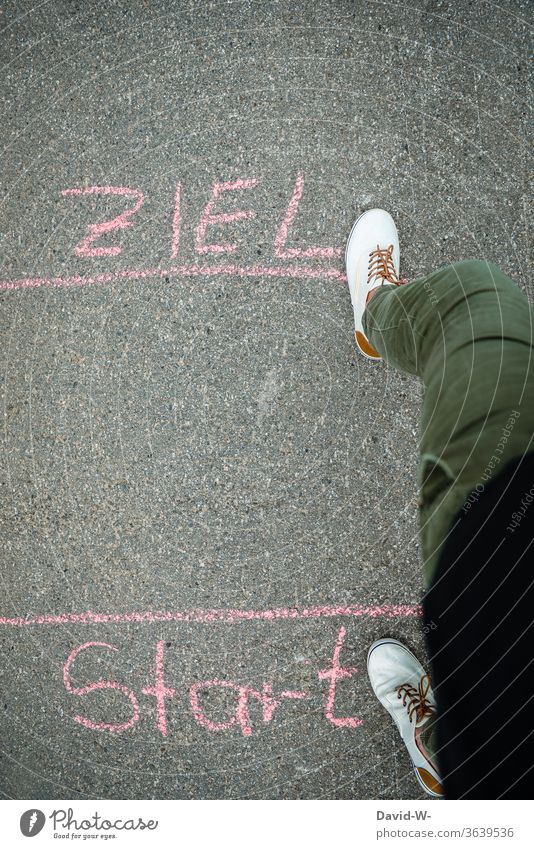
[209, 498]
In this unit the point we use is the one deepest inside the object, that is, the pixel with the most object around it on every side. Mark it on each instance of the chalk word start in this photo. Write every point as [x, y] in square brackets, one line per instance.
[243, 694]
[89, 246]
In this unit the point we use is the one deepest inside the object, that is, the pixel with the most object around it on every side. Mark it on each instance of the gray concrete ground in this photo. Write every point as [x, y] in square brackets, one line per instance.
[184, 440]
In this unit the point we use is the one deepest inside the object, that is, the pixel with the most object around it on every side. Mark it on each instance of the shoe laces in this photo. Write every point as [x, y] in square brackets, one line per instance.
[381, 266]
[415, 700]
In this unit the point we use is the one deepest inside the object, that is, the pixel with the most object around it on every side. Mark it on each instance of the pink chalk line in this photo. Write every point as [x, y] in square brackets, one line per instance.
[390, 611]
[121, 222]
[225, 218]
[280, 249]
[290, 271]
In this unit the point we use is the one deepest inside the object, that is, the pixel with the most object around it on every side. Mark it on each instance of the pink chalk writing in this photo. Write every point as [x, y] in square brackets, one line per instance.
[87, 248]
[112, 727]
[241, 713]
[242, 696]
[222, 218]
[120, 222]
[243, 693]
[231, 616]
[176, 222]
[282, 234]
[334, 674]
[159, 690]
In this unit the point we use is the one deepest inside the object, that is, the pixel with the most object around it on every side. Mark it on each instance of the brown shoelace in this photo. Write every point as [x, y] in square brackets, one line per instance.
[415, 701]
[381, 265]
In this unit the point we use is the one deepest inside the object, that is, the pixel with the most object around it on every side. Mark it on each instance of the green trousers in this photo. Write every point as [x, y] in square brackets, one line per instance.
[467, 331]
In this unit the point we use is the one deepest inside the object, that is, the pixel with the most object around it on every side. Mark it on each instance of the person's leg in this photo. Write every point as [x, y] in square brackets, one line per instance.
[399, 681]
[467, 331]
[480, 632]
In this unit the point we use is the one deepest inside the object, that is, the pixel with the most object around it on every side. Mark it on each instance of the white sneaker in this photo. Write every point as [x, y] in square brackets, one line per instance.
[402, 686]
[372, 258]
